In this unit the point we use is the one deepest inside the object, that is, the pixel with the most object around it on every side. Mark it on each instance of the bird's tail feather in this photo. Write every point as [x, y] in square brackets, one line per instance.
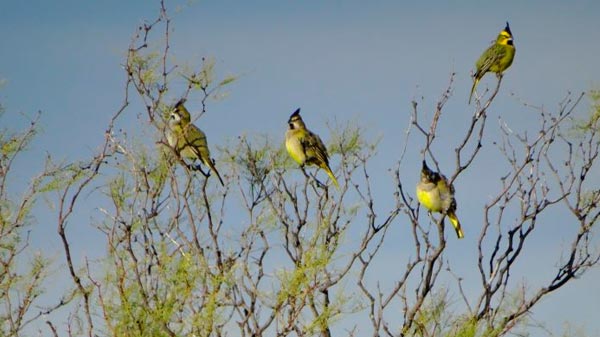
[456, 224]
[473, 89]
[214, 169]
[331, 176]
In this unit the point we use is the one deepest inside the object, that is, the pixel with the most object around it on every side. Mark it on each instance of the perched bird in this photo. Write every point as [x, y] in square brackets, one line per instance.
[306, 147]
[187, 140]
[497, 58]
[434, 192]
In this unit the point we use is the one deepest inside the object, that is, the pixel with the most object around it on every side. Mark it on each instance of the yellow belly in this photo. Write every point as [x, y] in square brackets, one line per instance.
[430, 199]
[295, 149]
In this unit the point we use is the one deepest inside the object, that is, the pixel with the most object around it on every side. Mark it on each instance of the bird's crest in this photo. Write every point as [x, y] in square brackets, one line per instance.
[507, 29]
[430, 175]
[295, 114]
[180, 102]
[505, 37]
[425, 167]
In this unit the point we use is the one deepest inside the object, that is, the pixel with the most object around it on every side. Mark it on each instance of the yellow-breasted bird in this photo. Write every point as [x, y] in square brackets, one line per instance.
[437, 195]
[497, 58]
[305, 147]
[187, 140]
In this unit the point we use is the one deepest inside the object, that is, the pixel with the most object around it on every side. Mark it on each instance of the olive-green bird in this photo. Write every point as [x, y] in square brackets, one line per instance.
[434, 192]
[187, 140]
[305, 147]
[497, 58]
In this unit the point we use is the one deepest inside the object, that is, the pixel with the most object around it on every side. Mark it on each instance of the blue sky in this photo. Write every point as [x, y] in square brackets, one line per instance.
[337, 60]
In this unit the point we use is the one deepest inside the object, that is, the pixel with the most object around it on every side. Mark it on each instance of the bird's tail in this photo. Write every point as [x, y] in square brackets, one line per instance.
[473, 88]
[211, 164]
[456, 224]
[331, 176]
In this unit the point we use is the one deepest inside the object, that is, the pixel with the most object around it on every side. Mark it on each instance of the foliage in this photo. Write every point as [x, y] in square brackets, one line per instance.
[277, 252]
[23, 272]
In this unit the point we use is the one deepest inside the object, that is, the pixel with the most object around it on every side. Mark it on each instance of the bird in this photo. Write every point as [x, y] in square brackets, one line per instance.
[187, 139]
[497, 58]
[437, 195]
[305, 147]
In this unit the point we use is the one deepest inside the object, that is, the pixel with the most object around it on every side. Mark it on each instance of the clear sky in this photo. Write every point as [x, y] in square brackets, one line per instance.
[337, 60]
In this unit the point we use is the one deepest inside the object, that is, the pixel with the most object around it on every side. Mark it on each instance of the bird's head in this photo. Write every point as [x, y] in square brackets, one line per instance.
[174, 118]
[295, 121]
[427, 175]
[179, 114]
[505, 37]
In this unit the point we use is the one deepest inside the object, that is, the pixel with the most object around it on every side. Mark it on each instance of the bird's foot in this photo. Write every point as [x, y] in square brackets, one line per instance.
[198, 167]
[319, 183]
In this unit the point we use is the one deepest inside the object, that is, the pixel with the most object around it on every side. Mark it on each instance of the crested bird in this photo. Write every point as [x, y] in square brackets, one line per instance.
[305, 147]
[187, 139]
[497, 58]
[436, 194]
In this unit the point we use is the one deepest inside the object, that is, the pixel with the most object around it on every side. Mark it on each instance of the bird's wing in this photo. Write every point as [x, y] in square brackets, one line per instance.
[315, 149]
[447, 192]
[491, 56]
[195, 139]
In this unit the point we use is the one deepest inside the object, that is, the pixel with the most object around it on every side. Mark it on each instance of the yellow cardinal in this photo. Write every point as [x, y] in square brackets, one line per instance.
[187, 140]
[497, 58]
[305, 147]
[434, 192]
